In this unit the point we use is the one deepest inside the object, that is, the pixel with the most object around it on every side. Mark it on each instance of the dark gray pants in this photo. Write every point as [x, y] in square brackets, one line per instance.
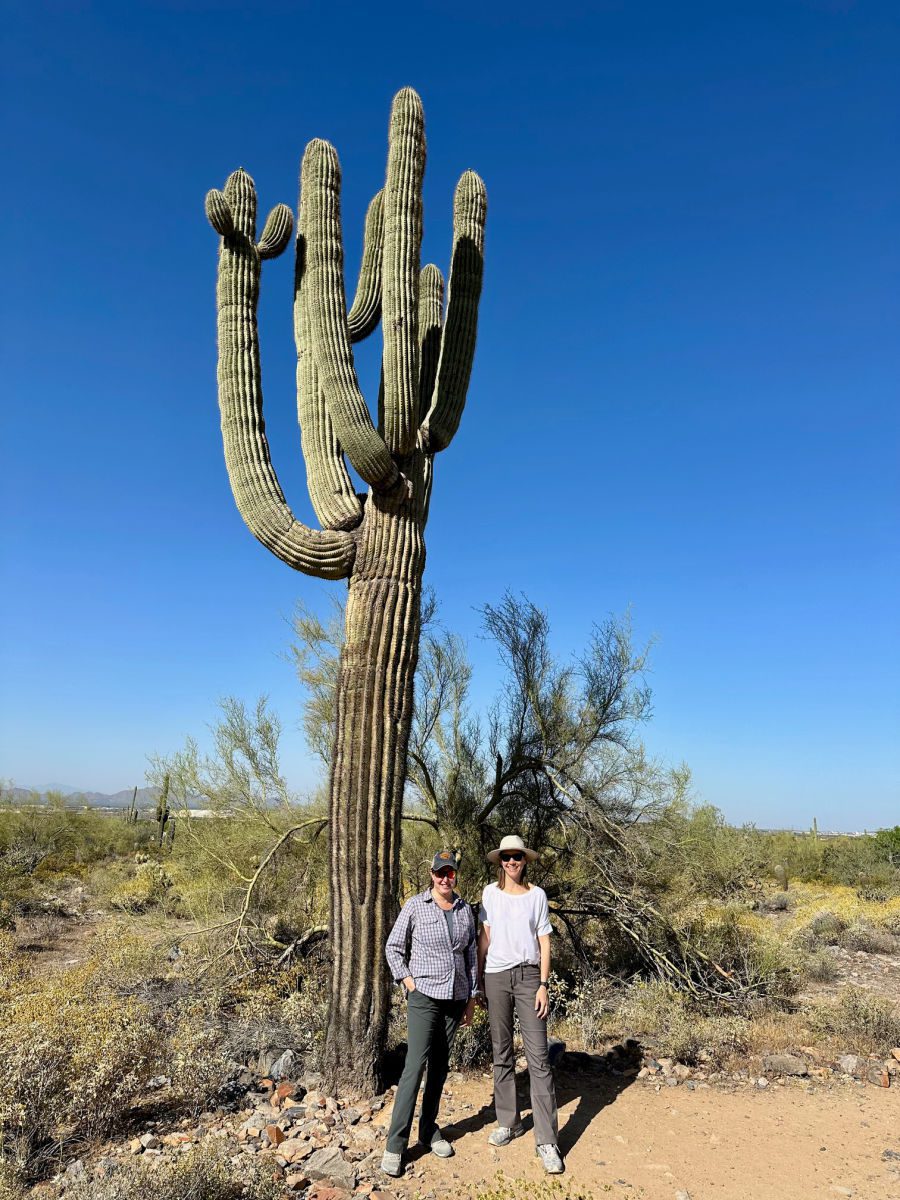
[515, 989]
[431, 1027]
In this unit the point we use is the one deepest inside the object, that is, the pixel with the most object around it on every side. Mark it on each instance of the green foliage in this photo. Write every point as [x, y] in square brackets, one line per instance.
[504, 1188]
[864, 1021]
[472, 1047]
[201, 1174]
[73, 1055]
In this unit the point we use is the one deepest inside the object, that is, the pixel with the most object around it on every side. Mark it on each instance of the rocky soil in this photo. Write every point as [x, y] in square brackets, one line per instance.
[629, 1123]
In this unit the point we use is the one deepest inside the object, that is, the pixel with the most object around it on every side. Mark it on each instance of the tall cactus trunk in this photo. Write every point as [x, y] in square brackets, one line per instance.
[374, 713]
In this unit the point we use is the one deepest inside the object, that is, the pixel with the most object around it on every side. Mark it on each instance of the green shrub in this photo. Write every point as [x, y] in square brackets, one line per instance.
[825, 929]
[72, 1057]
[472, 1047]
[820, 967]
[864, 1021]
[202, 1174]
[863, 935]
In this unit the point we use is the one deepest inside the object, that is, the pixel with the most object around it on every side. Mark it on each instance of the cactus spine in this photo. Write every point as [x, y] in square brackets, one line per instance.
[376, 541]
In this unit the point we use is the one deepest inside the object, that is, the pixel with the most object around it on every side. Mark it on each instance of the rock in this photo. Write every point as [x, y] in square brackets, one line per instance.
[896, 1053]
[878, 1076]
[837, 1190]
[329, 1164]
[297, 1181]
[350, 1116]
[295, 1150]
[849, 1063]
[321, 1192]
[283, 1066]
[150, 1141]
[134, 1146]
[890, 1155]
[275, 1134]
[682, 1196]
[681, 1071]
[785, 1064]
[762, 1082]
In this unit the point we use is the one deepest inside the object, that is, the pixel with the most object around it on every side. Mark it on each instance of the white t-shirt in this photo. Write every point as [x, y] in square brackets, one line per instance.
[515, 924]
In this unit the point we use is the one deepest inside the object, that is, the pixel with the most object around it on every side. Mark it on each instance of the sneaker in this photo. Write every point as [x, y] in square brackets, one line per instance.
[549, 1156]
[391, 1163]
[502, 1136]
[439, 1145]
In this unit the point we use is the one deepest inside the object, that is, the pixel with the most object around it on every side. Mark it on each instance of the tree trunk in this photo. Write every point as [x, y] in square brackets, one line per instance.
[374, 713]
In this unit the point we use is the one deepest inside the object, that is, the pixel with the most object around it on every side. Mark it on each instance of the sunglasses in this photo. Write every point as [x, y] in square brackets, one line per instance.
[445, 873]
[511, 857]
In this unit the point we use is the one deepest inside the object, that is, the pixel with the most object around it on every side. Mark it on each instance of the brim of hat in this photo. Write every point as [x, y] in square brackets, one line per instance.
[494, 856]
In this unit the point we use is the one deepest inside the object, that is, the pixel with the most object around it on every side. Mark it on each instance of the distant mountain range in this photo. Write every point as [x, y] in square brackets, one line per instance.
[146, 797]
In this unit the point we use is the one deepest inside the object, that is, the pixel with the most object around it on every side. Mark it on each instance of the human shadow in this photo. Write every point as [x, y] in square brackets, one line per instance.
[596, 1080]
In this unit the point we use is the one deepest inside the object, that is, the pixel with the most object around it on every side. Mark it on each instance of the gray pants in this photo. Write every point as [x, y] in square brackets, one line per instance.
[431, 1028]
[506, 990]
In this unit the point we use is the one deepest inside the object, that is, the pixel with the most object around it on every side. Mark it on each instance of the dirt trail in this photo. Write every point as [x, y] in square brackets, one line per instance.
[785, 1143]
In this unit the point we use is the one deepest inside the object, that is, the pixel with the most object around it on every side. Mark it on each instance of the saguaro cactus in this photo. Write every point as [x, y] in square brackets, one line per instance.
[163, 812]
[375, 541]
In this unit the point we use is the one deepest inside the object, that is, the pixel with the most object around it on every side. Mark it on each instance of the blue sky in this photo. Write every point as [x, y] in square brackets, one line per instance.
[684, 399]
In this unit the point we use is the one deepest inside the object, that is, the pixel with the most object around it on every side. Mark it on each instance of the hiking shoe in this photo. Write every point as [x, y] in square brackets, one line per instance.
[439, 1145]
[391, 1163]
[549, 1156]
[502, 1136]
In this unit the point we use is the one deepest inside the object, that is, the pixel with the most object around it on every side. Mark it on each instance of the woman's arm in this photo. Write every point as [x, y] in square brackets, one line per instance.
[542, 996]
[484, 940]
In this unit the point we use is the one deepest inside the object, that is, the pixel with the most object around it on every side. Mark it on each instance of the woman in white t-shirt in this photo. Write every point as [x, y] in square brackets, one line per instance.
[514, 962]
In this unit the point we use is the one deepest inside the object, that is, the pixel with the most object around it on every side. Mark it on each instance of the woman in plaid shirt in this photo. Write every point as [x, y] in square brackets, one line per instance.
[432, 951]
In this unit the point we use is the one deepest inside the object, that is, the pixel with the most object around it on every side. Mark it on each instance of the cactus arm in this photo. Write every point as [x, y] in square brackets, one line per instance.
[400, 286]
[254, 483]
[323, 281]
[458, 342]
[328, 481]
[276, 232]
[431, 312]
[365, 313]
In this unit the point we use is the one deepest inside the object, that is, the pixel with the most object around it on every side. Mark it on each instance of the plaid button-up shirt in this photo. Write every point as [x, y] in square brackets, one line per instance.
[420, 945]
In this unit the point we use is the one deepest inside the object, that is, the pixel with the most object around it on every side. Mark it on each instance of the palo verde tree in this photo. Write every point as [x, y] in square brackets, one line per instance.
[375, 541]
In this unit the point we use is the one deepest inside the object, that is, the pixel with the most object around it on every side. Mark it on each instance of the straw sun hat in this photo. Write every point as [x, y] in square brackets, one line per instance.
[510, 844]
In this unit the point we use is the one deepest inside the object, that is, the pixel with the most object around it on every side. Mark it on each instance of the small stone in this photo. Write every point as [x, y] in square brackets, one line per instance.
[682, 1196]
[296, 1181]
[275, 1135]
[762, 1082]
[849, 1063]
[134, 1146]
[150, 1141]
[879, 1077]
[896, 1053]
[841, 1191]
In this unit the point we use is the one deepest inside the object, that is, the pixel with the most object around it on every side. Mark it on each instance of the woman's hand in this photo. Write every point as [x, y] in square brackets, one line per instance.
[469, 1012]
[409, 983]
[542, 1002]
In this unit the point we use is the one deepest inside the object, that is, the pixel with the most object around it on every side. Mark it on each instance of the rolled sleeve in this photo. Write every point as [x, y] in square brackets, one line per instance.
[395, 946]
